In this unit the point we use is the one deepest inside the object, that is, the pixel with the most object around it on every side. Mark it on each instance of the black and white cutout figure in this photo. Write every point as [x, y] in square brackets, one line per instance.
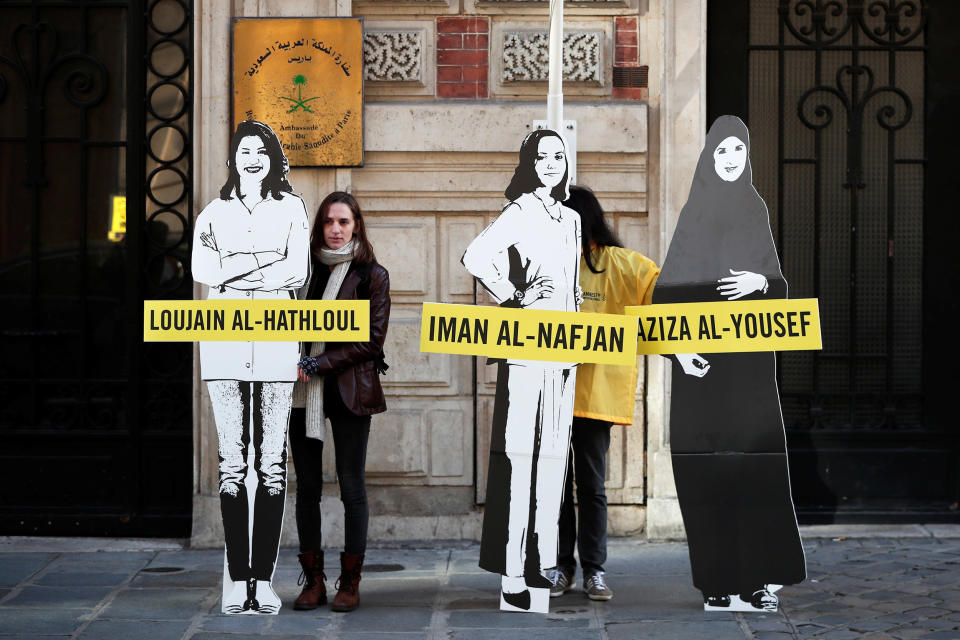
[726, 428]
[252, 243]
[529, 257]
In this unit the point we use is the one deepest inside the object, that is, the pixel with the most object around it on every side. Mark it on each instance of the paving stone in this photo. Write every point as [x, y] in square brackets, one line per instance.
[772, 635]
[189, 558]
[840, 634]
[940, 635]
[496, 619]
[767, 622]
[666, 598]
[155, 604]
[134, 630]
[99, 560]
[872, 625]
[517, 634]
[303, 622]
[675, 630]
[20, 622]
[82, 579]
[407, 592]
[214, 635]
[189, 578]
[927, 612]
[16, 567]
[60, 597]
[908, 633]
[377, 618]
[485, 581]
[237, 624]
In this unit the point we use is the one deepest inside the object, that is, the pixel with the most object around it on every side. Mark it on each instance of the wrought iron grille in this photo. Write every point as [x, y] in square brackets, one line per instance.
[95, 107]
[836, 110]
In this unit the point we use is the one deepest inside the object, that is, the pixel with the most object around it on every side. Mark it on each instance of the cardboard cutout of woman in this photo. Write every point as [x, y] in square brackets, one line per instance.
[252, 243]
[726, 428]
[529, 257]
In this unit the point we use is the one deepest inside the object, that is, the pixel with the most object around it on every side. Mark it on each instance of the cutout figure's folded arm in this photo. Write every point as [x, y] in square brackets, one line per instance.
[290, 270]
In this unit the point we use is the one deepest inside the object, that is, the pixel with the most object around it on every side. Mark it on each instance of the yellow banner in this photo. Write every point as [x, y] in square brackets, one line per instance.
[724, 327]
[256, 320]
[527, 334]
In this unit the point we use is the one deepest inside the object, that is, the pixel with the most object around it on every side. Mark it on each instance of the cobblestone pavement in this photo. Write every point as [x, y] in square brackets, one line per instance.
[894, 582]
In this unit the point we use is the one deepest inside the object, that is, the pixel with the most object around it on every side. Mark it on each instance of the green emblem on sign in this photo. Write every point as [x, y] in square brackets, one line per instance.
[299, 102]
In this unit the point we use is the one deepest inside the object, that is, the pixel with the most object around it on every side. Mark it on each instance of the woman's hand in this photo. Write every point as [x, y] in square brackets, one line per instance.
[208, 239]
[539, 289]
[693, 364]
[741, 283]
[301, 375]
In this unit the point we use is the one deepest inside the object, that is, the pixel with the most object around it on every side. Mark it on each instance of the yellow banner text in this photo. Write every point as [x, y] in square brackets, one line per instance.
[527, 334]
[256, 320]
[724, 327]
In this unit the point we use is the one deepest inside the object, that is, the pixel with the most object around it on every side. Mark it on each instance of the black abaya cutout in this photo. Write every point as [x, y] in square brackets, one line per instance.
[726, 428]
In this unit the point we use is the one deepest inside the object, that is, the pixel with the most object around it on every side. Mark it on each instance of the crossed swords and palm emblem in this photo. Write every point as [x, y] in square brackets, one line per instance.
[299, 102]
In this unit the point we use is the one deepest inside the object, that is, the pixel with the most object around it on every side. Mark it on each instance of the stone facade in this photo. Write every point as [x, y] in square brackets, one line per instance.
[441, 132]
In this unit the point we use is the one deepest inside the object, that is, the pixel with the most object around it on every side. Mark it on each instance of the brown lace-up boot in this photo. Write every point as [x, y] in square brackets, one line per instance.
[314, 591]
[348, 591]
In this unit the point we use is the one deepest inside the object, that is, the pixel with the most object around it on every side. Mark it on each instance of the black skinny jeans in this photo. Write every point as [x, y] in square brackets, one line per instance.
[350, 436]
[589, 441]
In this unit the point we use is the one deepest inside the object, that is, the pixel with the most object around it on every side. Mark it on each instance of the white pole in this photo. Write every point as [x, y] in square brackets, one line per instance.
[555, 53]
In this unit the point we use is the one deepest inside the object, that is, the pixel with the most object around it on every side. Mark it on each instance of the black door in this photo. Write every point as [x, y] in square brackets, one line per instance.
[853, 109]
[95, 204]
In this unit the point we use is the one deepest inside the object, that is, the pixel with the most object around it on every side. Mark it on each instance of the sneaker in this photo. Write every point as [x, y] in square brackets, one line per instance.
[562, 579]
[596, 587]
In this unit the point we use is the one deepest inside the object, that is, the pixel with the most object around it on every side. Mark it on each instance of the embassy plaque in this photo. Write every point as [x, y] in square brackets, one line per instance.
[304, 78]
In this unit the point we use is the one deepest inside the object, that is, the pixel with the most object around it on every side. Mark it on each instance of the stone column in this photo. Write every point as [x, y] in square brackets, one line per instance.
[673, 35]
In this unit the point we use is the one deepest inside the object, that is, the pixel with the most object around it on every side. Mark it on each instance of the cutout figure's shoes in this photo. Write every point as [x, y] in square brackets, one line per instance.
[348, 584]
[234, 600]
[712, 603]
[251, 604]
[538, 581]
[314, 590]
[596, 587]
[268, 602]
[519, 600]
[562, 579]
[762, 600]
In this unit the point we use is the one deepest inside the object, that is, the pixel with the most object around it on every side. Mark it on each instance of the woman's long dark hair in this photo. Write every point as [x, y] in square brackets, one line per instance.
[594, 230]
[363, 252]
[525, 179]
[275, 183]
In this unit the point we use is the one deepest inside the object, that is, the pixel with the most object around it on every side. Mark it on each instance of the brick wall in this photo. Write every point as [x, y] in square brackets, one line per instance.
[629, 78]
[462, 57]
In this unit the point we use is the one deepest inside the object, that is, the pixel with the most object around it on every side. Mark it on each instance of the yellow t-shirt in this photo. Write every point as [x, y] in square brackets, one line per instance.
[606, 392]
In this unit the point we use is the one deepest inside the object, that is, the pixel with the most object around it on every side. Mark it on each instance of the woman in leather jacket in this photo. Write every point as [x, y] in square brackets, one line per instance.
[339, 381]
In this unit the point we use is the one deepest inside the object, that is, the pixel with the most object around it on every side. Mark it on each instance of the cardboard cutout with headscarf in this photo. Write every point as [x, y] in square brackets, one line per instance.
[726, 428]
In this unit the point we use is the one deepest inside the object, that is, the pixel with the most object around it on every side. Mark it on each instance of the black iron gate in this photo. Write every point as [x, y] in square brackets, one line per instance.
[95, 211]
[837, 95]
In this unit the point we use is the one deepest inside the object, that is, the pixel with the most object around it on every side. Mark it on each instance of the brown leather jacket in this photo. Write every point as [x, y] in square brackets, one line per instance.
[354, 362]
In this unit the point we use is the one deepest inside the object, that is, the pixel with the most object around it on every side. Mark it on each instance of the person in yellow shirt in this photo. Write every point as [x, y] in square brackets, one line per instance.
[611, 277]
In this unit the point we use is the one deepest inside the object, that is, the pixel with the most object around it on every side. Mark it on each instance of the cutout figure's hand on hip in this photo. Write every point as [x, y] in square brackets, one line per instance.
[693, 364]
[540, 288]
[741, 283]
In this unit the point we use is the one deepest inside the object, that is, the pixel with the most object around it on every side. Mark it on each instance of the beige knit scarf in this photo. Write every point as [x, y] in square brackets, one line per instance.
[312, 392]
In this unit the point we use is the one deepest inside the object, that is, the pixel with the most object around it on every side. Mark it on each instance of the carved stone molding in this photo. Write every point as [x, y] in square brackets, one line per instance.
[525, 56]
[393, 56]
